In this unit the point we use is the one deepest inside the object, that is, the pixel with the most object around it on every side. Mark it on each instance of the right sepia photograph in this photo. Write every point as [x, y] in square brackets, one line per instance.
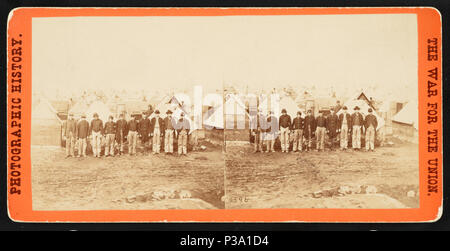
[322, 112]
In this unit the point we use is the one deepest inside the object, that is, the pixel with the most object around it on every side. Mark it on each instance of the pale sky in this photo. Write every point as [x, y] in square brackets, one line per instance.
[344, 51]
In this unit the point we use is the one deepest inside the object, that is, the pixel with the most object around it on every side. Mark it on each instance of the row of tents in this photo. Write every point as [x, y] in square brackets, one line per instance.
[47, 121]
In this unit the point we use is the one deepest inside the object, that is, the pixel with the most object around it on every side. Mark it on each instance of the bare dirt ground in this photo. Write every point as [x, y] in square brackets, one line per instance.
[289, 180]
[127, 182]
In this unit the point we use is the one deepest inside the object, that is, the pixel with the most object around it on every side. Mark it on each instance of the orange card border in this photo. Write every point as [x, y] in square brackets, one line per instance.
[20, 206]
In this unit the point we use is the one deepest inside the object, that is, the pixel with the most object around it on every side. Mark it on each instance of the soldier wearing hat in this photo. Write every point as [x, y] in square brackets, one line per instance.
[156, 130]
[82, 133]
[121, 132]
[169, 126]
[321, 127]
[284, 126]
[183, 127]
[70, 131]
[96, 131]
[332, 127]
[258, 131]
[144, 131]
[271, 132]
[370, 123]
[132, 128]
[297, 128]
[345, 126]
[309, 125]
[110, 134]
[357, 122]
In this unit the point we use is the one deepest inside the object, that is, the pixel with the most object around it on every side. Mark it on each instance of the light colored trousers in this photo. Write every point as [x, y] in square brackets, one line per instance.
[270, 141]
[109, 148]
[70, 144]
[182, 142]
[96, 143]
[298, 140]
[132, 142]
[259, 138]
[344, 137]
[284, 138]
[370, 138]
[320, 138]
[156, 140]
[356, 137]
[168, 141]
[82, 144]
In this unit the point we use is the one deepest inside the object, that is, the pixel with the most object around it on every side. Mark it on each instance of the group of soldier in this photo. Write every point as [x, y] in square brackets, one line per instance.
[302, 130]
[114, 134]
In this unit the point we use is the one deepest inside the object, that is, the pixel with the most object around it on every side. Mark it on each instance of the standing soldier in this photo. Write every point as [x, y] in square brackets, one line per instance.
[144, 131]
[156, 130]
[258, 132]
[132, 135]
[297, 127]
[338, 106]
[271, 132]
[82, 134]
[70, 131]
[110, 133]
[96, 130]
[183, 128]
[121, 132]
[284, 126]
[332, 127]
[169, 125]
[370, 124]
[309, 129]
[321, 123]
[357, 122]
[345, 126]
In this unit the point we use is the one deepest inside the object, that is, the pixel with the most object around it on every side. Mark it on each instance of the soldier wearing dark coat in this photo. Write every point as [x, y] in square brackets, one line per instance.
[110, 135]
[183, 127]
[309, 127]
[121, 132]
[271, 132]
[370, 124]
[297, 127]
[357, 124]
[70, 131]
[345, 127]
[157, 131]
[332, 127]
[82, 134]
[144, 130]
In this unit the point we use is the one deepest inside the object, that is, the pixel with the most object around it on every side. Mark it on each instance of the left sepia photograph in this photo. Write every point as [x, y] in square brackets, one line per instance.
[121, 118]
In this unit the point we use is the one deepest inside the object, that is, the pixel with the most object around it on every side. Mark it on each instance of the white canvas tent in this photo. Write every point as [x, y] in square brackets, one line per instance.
[408, 115]
[45, 125]
[79, 108]
[101, 109]
[364, 107]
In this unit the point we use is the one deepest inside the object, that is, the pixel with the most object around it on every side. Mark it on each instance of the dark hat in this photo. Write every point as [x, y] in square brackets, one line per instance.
[169, 112]
[182, 114]
[95, 115]
[344, 108]
[370, 109]
[356, 108]
[157, 112]
[299, 113]
[283, 111]
[111, 117]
